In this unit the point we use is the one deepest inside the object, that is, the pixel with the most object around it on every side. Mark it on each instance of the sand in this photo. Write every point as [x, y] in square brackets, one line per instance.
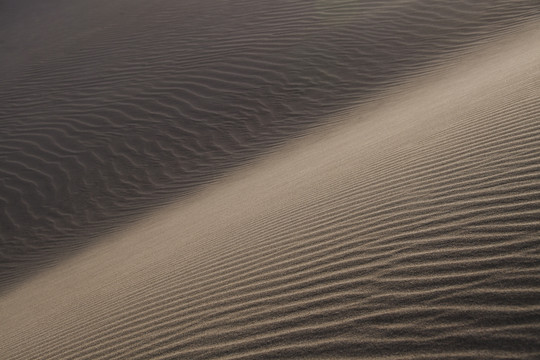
[377, 209]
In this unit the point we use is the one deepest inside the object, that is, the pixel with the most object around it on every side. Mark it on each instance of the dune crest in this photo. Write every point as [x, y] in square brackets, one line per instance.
[413, 233]
[111, 108]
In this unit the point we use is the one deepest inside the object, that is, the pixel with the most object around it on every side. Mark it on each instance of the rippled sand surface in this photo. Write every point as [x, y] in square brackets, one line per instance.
[255, 180]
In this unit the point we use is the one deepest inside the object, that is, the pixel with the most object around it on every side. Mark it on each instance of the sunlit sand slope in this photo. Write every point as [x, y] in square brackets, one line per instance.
[411, 234]
[111, 107]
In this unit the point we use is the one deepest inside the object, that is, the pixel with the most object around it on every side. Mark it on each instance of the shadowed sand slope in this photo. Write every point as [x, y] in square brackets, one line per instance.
[409, 231]
[110, 107]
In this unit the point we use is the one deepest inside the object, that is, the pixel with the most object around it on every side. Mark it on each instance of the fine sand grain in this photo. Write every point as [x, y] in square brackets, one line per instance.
[109, 108]
[409, 229]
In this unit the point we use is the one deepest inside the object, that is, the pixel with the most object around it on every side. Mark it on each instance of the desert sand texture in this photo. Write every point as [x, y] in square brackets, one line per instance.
[270, 180]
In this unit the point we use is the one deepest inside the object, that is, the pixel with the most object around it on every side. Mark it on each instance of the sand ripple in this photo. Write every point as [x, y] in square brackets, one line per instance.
[410, 232]
[138, 103]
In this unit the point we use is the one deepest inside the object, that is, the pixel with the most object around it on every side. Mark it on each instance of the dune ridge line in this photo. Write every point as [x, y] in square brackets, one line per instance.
[411, 234]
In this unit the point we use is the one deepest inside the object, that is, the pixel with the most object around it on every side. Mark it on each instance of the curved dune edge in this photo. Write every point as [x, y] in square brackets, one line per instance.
[112, 108]
[413, 233]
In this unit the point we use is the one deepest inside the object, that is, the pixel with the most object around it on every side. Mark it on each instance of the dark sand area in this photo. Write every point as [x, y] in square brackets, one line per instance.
[255, 179]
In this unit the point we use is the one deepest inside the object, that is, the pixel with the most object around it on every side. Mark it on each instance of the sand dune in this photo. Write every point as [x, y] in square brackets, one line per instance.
[110, 108]
[409, 229]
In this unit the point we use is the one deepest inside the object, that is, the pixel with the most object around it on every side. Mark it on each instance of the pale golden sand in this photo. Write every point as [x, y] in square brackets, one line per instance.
[413, 233]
